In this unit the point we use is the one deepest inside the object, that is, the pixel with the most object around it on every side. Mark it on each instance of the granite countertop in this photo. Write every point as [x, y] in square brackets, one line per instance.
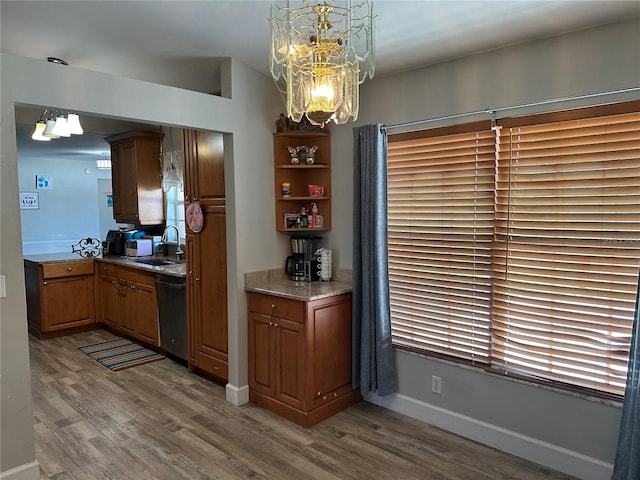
[276, 282]
[175, 270]
[56, 257]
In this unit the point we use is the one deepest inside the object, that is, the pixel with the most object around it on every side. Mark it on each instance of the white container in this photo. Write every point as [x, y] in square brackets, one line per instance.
[325, 264]
[141, 247]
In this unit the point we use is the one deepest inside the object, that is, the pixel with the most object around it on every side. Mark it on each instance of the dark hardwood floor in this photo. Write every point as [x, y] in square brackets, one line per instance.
[158, 421]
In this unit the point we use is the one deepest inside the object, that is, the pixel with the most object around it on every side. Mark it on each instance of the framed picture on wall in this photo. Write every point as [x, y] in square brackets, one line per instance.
[29, 201]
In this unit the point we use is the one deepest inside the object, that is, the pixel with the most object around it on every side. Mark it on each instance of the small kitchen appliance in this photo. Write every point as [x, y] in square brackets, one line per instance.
[294, 263]
[141, 247]
[114, 243]
[304, 264]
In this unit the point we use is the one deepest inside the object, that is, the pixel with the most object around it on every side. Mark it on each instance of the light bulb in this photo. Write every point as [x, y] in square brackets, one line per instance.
[73, 123]
[37, 133]
[61, 128]
[48, 131]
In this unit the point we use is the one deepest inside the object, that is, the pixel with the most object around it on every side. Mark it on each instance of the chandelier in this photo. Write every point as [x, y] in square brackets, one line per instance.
[320, 54]
[56, 126]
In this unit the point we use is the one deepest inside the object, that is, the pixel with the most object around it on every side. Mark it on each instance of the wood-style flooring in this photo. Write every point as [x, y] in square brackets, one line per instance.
[158, 421]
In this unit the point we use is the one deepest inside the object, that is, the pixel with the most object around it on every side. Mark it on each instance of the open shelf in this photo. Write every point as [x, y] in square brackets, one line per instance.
[300, 176]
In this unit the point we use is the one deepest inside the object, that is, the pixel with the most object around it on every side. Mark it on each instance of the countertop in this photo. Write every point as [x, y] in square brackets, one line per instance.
[176, 270]
[276, 282]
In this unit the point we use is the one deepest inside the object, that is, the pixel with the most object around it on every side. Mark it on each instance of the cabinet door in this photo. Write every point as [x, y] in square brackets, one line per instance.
[107, 300]
[262, 358]
[290, 362]
[204, 164]
[68, 302]
[145, 311]
[125, 194]
[126, 308]
[207, 290]
[329, 340]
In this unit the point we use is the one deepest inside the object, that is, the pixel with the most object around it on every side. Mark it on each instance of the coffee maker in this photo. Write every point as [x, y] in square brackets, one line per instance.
[302, 264]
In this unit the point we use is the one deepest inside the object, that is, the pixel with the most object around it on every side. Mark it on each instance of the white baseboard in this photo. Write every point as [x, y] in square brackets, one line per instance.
[237, 395]
[547, 454]
[28, 471]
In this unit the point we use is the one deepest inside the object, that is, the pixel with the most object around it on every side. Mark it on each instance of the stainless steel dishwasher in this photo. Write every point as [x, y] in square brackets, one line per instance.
[172, 313]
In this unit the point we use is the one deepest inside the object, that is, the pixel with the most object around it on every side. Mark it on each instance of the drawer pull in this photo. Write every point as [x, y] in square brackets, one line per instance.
[69, 269]
[273, 305]
[44, 283]
[326, 395]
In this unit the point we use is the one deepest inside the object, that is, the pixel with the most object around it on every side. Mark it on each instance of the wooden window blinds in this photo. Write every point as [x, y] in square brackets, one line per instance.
[518, 248]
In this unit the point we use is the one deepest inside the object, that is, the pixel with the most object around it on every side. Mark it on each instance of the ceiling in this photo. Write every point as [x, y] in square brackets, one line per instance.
[143, 39]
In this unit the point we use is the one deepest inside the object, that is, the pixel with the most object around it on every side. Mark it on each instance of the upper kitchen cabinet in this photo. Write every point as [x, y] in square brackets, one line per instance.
[204, 165]
[302, 180]
[136, 177]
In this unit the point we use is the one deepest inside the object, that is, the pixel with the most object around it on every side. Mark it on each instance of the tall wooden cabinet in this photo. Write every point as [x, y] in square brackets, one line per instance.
[300, 356]
[300, 176]
[206, 255]
[136, 178]
[60, 297]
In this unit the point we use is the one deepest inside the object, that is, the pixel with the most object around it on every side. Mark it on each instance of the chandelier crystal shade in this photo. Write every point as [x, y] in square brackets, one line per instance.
[320, 54]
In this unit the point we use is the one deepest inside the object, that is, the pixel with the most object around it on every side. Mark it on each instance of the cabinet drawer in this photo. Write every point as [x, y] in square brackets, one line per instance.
[106, 268]
[277, 306]
[67, 269]
[138, 276]
[213, 365]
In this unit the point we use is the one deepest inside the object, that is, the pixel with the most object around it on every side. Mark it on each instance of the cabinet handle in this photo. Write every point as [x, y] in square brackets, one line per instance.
[197, 279]
[44, 283]
[132, 287]
[273, 305]
[326, 395]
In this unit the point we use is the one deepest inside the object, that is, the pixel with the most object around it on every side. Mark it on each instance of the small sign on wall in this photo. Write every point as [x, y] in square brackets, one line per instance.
[43, 182]
[109, 196]
[28, 200]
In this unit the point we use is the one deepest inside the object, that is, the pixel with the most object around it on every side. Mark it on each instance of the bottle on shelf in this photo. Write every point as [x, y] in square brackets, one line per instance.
[303, 217]
[314, 215]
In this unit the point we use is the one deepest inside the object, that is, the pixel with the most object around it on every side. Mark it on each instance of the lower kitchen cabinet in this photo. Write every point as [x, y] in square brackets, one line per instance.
[300, 356]
[127, 302]
[60, 297]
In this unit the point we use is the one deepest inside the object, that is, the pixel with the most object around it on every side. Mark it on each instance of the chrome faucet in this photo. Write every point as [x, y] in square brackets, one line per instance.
[179, 250]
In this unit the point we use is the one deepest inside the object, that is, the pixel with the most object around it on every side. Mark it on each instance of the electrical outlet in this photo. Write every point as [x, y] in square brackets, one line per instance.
[436, 384]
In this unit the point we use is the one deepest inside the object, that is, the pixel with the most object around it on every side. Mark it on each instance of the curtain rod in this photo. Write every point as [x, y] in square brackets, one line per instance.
[493, 111]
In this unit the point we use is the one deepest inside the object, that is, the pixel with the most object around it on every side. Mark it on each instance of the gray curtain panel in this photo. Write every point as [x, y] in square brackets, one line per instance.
[627, 463]
[373, 362]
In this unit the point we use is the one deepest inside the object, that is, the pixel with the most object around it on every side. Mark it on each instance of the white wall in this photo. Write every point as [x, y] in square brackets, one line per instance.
[558, 429]
[247, 119]
[68, 211]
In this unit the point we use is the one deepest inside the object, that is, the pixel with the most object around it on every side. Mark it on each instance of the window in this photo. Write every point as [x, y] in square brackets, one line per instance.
[175, 212]
[517, 248]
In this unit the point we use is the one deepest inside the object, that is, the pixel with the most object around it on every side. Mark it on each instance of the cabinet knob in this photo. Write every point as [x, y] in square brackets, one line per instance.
[69, 268]
[44, 283]
[132, 287]
[197, 279]
[273, 305]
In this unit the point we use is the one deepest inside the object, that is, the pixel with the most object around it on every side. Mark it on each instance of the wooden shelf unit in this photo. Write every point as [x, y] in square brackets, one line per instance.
[300, 176]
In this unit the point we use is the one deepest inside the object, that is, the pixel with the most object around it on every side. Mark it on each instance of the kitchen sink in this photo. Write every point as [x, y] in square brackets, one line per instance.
[159, 262]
